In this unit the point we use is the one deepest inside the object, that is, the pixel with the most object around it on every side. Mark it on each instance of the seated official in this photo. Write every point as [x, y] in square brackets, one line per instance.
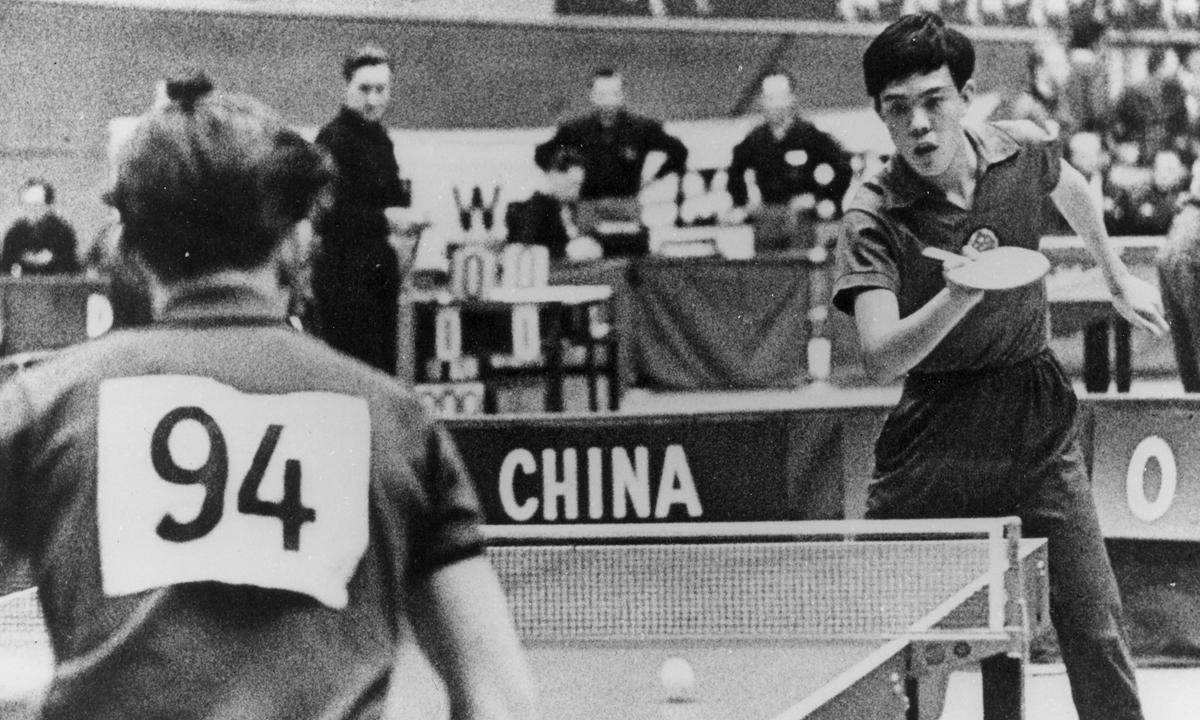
[551, 218]
[40, 242]
[801, 172]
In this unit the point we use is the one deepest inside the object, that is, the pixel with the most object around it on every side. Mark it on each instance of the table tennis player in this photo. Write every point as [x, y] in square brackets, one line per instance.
[986, 422]
[227, 518]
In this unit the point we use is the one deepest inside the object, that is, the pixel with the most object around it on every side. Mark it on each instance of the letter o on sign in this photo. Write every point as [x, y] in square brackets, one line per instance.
[1135, 479]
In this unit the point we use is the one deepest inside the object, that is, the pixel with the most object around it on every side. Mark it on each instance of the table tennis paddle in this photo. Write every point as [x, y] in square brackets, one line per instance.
[1001, 268]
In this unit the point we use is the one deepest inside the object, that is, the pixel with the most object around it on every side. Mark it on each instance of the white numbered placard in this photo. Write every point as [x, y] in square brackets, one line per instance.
[197, 481]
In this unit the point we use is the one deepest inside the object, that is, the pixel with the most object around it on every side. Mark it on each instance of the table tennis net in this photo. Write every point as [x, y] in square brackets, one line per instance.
[763, 590]
[21, 626]
[720, 590]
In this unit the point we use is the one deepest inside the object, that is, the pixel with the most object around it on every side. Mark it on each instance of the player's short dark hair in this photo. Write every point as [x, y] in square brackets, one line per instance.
[365, 56]
[47, 188]
[209, 182]
[915, 45]
[565, 158]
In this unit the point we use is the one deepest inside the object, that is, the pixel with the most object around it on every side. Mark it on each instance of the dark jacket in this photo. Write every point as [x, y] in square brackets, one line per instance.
[614, 155]
[368, 180]
[785, 168]
[538, 221]
[47, 233]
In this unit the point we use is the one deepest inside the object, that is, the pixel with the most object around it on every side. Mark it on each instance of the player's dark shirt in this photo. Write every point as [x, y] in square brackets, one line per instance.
[202, 646]
[614, 154]
[368, 180]
[26, 237]
[784, 168]
[897, 214]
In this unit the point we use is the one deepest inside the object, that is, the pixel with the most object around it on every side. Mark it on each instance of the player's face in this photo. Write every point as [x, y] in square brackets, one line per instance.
[369, 90]
[608, 95]
[924, 115]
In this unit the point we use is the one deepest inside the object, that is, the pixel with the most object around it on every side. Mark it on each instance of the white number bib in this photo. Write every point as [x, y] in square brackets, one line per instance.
[200, 482]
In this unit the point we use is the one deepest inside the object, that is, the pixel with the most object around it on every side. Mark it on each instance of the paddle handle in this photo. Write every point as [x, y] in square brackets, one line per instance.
[940, 254]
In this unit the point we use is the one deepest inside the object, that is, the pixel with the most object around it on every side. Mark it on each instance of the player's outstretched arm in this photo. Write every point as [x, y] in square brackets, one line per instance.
[1138, 301]
[891, 346]
[461, 618]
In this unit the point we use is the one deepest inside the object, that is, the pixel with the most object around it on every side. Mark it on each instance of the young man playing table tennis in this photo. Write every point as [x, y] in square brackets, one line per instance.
[986, 422]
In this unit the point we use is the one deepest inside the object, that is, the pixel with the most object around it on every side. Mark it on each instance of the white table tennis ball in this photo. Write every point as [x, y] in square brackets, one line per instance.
[677, 677]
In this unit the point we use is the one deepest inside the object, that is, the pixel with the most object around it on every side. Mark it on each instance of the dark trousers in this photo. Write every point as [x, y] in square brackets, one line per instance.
[357, 295]
[1003, 442]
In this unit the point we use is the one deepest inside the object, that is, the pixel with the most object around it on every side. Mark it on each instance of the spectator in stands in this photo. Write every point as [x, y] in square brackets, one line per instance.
[1143, 201]
[802, 173]
[1086, 92]
[551, 218]
[1150, 115]
[615, 143]
[40, 242]
[357, 274]
[1041, 100]
[1179, 281]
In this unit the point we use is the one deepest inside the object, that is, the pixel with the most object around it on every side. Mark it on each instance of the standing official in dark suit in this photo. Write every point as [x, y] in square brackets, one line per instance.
[801, 172]
[614, 143]
[356, 278]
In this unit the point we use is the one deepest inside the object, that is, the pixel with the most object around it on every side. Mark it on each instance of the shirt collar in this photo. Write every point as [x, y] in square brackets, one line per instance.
[902, 186]
[222, 303]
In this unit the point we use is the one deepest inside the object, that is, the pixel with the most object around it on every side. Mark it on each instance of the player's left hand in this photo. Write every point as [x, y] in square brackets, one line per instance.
[1139, 302]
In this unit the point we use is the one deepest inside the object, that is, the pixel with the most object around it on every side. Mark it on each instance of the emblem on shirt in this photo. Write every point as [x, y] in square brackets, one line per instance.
[984, 239]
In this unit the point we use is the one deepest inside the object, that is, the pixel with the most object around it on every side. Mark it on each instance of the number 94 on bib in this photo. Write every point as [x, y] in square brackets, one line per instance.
[197, 481]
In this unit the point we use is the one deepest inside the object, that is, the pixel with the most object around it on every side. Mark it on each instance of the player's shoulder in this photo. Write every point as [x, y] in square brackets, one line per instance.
[875, 194]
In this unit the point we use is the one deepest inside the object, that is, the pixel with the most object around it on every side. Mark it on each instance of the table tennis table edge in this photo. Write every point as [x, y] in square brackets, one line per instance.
[917, 631]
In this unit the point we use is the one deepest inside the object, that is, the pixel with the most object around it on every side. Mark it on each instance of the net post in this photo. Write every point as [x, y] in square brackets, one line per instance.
[1004, 547]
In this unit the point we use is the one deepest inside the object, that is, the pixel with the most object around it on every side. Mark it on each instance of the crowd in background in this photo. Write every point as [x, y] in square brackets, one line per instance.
[1119, 14]
[1136, 140]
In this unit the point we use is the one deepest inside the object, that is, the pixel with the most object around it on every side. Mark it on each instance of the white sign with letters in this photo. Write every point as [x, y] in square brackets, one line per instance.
[198, 481]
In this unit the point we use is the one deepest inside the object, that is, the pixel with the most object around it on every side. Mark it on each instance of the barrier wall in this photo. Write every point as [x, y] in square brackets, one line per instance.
[815, 464]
